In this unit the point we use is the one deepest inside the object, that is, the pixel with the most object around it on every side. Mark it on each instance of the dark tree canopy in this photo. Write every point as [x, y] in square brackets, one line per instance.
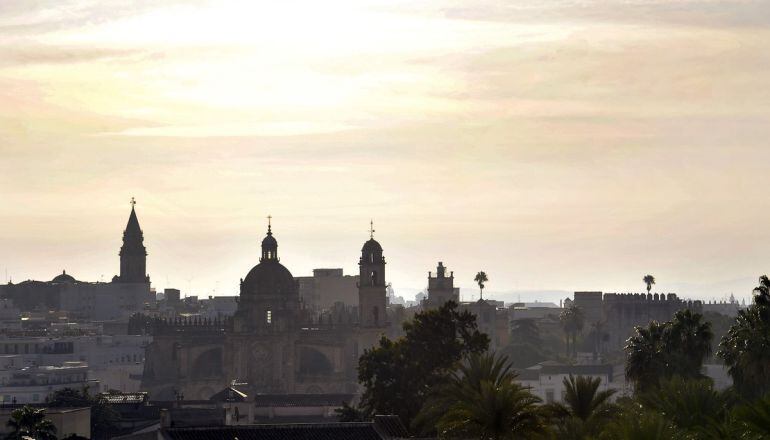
[746, 346]
[664, 350]
[398, 375]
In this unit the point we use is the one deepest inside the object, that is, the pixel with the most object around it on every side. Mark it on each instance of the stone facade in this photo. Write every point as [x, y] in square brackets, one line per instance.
[616, 314]
[272, 343]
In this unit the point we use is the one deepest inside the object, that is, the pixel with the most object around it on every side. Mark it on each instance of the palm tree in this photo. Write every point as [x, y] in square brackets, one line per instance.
[30, 422]
[649, 280]
[482, 401]
[692, 404]
[585, 409]
[578, 321]
[754, 418]
[645, 360]
[480, 279]
[565, 320]
[745, 348]
[762, 292]
[688, 341]
[572, 321]
[598, 332]
[638, 424]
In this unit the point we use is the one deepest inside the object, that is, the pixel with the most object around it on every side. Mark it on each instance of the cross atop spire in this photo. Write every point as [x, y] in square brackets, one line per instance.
[371, 229]
[269, 224]
[133, 202]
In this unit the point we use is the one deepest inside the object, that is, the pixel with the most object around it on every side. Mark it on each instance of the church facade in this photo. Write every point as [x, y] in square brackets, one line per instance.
[273, 344]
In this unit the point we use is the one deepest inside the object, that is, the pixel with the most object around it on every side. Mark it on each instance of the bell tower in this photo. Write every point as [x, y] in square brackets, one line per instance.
[372, 294]
[133, 254]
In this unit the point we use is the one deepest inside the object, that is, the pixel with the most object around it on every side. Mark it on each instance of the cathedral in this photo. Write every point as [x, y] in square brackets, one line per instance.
[272, 344]
[128, 293]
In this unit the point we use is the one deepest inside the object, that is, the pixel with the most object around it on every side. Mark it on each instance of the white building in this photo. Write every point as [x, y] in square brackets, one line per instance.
[35, 384]
[116, 361]
[546, 379]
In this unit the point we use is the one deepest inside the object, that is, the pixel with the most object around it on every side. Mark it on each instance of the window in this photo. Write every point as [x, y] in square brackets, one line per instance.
[35, 397]
[269, 317]
[549, 396]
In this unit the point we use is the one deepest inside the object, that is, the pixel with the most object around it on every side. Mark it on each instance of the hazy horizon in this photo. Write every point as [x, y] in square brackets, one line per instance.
[556, 145]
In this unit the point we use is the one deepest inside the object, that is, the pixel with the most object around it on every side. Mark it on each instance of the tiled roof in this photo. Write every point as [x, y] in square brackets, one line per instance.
[229, 394]
[328, 431]
[390, 426]
[262, 400]
[578, 370]
[114, 398]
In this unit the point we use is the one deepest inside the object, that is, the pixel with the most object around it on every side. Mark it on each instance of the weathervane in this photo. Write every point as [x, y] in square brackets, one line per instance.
[371, 229]
[269, 223]
[133, 202]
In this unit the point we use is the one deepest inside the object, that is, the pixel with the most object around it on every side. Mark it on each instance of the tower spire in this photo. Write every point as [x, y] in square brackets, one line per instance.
[133, 254]
[371, 229]
[269, 224]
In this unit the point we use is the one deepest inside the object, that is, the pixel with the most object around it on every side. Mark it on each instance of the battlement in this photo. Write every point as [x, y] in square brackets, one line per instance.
[641, 297]
[154, 325]
[653, 298]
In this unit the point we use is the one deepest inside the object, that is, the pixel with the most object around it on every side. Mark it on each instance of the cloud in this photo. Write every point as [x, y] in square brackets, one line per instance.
[21, 55]
[23, 19]
[693, 13]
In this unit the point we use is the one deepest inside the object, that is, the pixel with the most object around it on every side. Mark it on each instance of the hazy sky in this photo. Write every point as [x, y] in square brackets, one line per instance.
[554, 144]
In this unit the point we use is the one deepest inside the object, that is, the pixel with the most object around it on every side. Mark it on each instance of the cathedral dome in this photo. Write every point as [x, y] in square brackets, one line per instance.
[63, 277]
[268, 278]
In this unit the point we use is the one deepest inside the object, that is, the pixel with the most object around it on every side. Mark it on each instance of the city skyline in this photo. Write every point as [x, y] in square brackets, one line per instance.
[555, 145]
[468, 289]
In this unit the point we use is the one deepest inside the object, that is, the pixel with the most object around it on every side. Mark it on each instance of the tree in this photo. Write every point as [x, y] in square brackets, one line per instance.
[482, 401]
[480, 279]
[30, 422]
[636, 423]
[525, 331]
[645, 360]
[348, 413]
[585, 409]
[397, 376]
[572, 322]
[649, 280]
[691, 404]
[674, 348]
[754, 418]
[688, 343]
[104, 419]
[745, 348]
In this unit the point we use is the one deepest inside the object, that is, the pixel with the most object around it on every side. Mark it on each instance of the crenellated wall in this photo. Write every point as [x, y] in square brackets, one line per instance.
[620, 312]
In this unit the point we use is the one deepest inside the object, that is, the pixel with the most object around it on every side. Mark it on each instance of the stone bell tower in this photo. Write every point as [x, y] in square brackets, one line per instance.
[133, 254]
[372, 290]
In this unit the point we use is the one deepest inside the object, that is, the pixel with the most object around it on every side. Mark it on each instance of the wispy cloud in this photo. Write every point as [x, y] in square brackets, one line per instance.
[552, 140]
